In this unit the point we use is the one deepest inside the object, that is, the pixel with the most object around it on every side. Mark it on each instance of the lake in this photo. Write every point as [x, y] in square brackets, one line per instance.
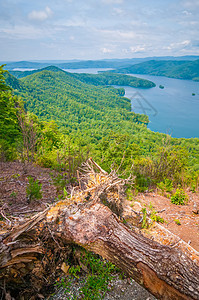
[88, 70]
[173, 110]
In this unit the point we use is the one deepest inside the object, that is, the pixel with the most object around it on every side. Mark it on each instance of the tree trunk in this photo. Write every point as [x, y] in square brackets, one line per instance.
[166, 272]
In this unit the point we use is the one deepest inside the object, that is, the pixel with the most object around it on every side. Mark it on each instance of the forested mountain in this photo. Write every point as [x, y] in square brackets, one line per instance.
[66, 120]
[174, 69]
[104, 78]
[55, 94]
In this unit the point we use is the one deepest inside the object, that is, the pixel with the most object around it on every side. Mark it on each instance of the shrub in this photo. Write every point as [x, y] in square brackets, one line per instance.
[33, 190]
[165, 186]
[180, 197]
[177, 222]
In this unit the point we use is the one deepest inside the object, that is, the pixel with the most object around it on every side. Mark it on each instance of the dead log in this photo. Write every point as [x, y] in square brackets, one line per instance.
[85, 219]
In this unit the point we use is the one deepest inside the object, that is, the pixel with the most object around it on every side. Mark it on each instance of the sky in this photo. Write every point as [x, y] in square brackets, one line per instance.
[97, 29]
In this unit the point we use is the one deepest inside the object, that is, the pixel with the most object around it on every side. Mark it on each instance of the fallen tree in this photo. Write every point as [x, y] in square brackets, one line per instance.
[92, 218]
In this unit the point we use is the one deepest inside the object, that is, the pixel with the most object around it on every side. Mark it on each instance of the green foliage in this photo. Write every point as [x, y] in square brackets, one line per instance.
[33, 189]
[3, 86]
[169, 68]
[179, 197]
[157, 218]
[144, 218]
[95, 284]
[108, 78]
[74, 270]
[13, 194]
[177, 222]
[9, 127]
[166, 185]
[154, 216]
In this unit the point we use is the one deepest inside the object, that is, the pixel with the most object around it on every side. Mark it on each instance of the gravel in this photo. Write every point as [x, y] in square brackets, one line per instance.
[124, 289]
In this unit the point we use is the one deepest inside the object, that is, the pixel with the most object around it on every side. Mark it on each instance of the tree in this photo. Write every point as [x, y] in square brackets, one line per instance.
[9, 127]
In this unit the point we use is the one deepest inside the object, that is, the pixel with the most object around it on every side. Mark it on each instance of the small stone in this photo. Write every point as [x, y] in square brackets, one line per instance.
[191, 289]
[195, 209]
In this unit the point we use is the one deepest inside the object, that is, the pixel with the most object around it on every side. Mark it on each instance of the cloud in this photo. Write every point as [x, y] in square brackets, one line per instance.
[187, 13]
[40, 15]
[106, 50]
[137, 49]
[112, 1]
[117, 34]
[178, 45]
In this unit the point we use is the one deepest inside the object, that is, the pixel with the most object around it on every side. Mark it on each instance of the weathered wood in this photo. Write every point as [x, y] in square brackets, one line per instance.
[163, 270]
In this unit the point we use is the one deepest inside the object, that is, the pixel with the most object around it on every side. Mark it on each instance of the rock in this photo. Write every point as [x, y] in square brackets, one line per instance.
[195, 209]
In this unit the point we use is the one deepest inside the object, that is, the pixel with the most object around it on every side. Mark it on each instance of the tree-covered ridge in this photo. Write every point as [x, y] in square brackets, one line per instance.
[76, 105]
[105, 78]
[90, 121]
[114, 79]
[173, 69]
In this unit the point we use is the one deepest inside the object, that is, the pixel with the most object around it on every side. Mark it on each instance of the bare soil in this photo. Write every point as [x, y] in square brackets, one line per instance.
[13, 197]
[188, 228]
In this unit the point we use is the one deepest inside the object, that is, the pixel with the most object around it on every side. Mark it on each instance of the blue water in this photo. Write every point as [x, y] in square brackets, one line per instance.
[171, 110]
[88, 70]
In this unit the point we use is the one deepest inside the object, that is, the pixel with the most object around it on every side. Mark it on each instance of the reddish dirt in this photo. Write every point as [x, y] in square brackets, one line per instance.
[13, 183]
[188, 230]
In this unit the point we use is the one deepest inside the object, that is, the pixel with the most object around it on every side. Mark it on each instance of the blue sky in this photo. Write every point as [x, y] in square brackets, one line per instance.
[97, 29]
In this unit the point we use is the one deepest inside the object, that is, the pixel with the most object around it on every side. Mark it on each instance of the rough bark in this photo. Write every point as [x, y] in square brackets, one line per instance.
[84, 220]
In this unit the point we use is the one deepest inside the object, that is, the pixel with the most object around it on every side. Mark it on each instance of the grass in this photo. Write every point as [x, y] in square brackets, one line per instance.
[95, 285]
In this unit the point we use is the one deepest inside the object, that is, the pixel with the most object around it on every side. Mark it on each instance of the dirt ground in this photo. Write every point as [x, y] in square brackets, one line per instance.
[13, 183]
[188, 228]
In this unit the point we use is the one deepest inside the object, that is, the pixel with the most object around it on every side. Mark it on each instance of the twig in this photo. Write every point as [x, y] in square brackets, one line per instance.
[97, 166]
[176, 243]
[54, 238]
[2, 213]
[79, 179]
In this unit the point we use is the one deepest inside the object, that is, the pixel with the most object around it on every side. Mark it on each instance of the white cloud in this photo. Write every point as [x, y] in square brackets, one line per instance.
[185, 43]
[136, 49]
[40, 15]
[186, 13]
[117, 34]
[106, 50]
[178, 46]
[112, 1]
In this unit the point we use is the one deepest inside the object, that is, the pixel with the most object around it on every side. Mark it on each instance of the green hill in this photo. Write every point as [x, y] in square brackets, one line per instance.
[53, 94]
[105, 78]
[174, 69]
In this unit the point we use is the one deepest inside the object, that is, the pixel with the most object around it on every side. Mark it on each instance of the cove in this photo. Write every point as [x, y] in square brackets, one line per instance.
[172, 109]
